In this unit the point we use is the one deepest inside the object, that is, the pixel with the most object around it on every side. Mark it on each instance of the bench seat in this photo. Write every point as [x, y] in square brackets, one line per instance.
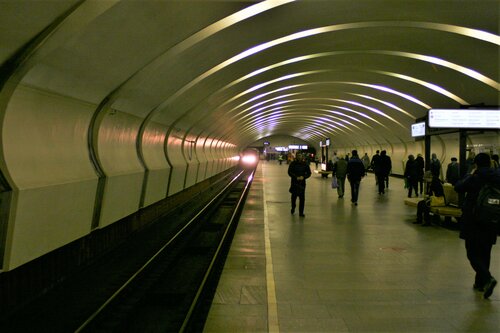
[413, 202]
[447, 211]
[450, 210]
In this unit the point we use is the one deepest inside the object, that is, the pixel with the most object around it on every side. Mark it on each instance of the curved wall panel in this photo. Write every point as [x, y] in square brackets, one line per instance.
[193, 164]
[46, 152]
[177, 161]
[202, 158]
[211, 160]
[158, 169]
[117, 154]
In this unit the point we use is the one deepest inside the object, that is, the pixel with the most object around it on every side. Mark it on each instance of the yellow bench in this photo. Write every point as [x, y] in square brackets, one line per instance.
[451, 199]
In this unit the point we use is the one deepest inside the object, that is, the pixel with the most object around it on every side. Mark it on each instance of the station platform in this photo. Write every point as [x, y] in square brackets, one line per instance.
[345, 268]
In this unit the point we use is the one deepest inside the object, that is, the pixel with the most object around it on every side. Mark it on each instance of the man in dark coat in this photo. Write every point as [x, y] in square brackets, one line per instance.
[374, 164]
[435, 166]
[420, 171]
[411, 175]
[298, 171]
[453, 171]
[479, 237]
[355, 171]
[383, 171]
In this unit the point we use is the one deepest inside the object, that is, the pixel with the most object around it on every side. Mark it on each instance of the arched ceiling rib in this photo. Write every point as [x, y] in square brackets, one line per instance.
[358, 71]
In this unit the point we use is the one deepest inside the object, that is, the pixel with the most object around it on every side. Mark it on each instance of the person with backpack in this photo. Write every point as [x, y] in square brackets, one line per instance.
[480, 219]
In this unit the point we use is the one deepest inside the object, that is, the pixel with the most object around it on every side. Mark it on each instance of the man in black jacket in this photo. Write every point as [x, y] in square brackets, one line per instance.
[479, 237]
[355, 171]
[298, 171]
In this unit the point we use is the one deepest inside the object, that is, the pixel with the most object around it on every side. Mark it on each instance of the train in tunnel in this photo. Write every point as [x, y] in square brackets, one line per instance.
[110, 107]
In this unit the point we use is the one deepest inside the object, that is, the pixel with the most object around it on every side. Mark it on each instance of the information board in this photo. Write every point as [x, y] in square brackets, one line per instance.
[464, 118]
[418, 129]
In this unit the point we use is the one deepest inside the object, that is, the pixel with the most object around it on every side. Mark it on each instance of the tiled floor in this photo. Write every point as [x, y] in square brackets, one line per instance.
[344, 268]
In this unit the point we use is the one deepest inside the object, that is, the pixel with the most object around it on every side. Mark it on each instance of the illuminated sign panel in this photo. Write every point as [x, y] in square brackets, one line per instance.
[297, 147]
[418, 129]
[464, 118]
[327, 142]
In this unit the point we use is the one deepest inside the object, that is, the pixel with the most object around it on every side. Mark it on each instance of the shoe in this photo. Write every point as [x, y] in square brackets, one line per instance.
[302, 215]
[355, 203]
[488, 287]
[292, 211]
[477, 287]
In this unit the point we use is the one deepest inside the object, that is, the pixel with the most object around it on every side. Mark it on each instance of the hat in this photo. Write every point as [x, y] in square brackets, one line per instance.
[453, 158]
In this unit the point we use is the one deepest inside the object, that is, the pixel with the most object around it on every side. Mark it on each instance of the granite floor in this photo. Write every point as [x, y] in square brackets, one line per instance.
[345, 268]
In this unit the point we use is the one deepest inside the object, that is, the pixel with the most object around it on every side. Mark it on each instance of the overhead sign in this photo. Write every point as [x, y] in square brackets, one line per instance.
[464, 118]
[296, 147]
[418, 129]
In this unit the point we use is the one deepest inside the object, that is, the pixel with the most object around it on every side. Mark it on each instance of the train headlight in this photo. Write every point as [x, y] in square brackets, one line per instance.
[249, 159]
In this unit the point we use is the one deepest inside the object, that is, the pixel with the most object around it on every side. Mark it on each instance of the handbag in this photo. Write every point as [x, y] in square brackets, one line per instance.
[335, 183]
[437, 201]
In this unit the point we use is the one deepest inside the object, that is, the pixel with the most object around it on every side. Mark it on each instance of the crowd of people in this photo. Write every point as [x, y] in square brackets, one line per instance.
[482, 169]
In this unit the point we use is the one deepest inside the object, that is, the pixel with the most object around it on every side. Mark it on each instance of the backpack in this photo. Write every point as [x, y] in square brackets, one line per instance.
[487, 207]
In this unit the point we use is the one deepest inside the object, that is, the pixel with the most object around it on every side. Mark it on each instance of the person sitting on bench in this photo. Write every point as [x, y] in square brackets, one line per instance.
[424, 206]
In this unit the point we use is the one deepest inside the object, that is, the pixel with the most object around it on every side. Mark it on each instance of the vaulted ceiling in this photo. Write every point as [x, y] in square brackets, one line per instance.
[358, 71]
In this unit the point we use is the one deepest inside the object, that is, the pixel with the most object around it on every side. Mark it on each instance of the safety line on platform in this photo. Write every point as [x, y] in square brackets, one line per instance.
[272, 304]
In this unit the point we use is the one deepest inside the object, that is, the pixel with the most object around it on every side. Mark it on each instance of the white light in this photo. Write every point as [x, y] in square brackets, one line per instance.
[249, 159]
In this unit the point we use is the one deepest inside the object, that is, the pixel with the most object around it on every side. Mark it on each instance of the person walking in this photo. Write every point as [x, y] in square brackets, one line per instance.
[366, 162]
[355, 172]
[374, 164]
[383, 168]
[298, 171]
[479, 237]
[420, 171]
[411, 175]
[387, 162]
[453, 171]
[340, 171]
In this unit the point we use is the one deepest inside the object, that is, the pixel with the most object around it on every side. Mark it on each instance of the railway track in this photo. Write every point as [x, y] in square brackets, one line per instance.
[155, 283]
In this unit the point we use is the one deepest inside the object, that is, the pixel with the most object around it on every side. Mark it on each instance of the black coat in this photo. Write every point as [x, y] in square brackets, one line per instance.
[435, 168]
[471, 185]
[411, 171]
[355, 169]
[298, 169]
[420, 166]
[453, 173]
[385, 165]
